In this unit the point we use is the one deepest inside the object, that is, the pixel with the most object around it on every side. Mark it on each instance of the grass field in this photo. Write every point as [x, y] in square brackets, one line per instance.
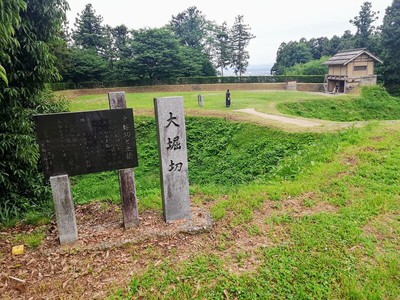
[297, 215]
[259, 100]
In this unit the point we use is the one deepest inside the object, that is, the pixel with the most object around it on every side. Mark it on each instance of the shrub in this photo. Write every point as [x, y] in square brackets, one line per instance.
[21, 182]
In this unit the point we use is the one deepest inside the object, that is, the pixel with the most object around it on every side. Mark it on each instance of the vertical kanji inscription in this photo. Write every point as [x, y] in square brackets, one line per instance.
[171, 133]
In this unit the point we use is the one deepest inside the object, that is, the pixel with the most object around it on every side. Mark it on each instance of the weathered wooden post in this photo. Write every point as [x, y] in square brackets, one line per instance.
[126, 176]
[64, 207]
[171, 133]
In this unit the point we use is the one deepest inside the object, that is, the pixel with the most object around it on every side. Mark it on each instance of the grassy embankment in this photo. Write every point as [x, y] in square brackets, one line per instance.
[374, 104]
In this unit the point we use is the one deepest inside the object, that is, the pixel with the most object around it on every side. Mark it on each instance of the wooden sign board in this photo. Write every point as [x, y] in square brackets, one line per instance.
[86, 142]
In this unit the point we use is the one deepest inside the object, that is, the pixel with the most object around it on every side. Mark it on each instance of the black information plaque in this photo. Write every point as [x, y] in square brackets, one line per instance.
[86, 142]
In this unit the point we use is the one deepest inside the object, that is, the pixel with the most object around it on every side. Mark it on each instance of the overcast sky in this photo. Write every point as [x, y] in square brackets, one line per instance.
[272, 22]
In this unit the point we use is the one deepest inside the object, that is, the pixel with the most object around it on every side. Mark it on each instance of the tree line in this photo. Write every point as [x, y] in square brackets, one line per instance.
[190, 45]
[304, 57]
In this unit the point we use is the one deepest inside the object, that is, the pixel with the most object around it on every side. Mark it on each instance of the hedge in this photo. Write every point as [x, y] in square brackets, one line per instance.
[187, 80]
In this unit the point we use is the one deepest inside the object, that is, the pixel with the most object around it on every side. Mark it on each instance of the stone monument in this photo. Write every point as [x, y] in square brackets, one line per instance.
[200, 100]
[171, 134]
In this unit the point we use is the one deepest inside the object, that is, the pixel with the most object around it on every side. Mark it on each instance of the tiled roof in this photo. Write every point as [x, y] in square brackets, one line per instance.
[346, 56]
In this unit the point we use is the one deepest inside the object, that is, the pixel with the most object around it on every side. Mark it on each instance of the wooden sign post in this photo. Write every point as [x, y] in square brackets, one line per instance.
[82, 143]
[126, 176]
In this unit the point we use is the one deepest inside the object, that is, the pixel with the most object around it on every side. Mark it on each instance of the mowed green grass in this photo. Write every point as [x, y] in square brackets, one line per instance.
[259, 100]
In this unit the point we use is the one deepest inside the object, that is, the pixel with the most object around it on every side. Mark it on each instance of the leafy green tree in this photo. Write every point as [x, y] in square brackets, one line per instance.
[9, 20]
[190, 27]
[29, 66]
[121, 38]
[347, 40]
[240, 39]
[334, 45]
[155, 54]
[87, 65]
[290, 54]
[109, 52]
[363, 22]
[210, 41]
[194, 63]
[319, 47]
[89, 31]
[313, 67]
[63, 53]
[115, 47]
[391, 47]
[158, 55]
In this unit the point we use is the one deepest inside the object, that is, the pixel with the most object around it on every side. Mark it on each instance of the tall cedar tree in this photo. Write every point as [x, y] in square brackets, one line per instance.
[223, 48]
[29, 65]
[89, 32]
[240, 39]
[121, 37]
[195, 32]
[363, 23]
[115, 45]
[63, 53]
[391, 45]
[190, 27]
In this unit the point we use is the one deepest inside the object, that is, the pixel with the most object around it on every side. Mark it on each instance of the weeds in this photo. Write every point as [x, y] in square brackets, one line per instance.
[31, 240]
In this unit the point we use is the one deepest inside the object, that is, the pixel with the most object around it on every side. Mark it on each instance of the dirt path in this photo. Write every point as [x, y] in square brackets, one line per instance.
[287, 120]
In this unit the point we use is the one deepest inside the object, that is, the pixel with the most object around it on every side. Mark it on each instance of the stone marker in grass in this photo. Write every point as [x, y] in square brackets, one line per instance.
[171, 134]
